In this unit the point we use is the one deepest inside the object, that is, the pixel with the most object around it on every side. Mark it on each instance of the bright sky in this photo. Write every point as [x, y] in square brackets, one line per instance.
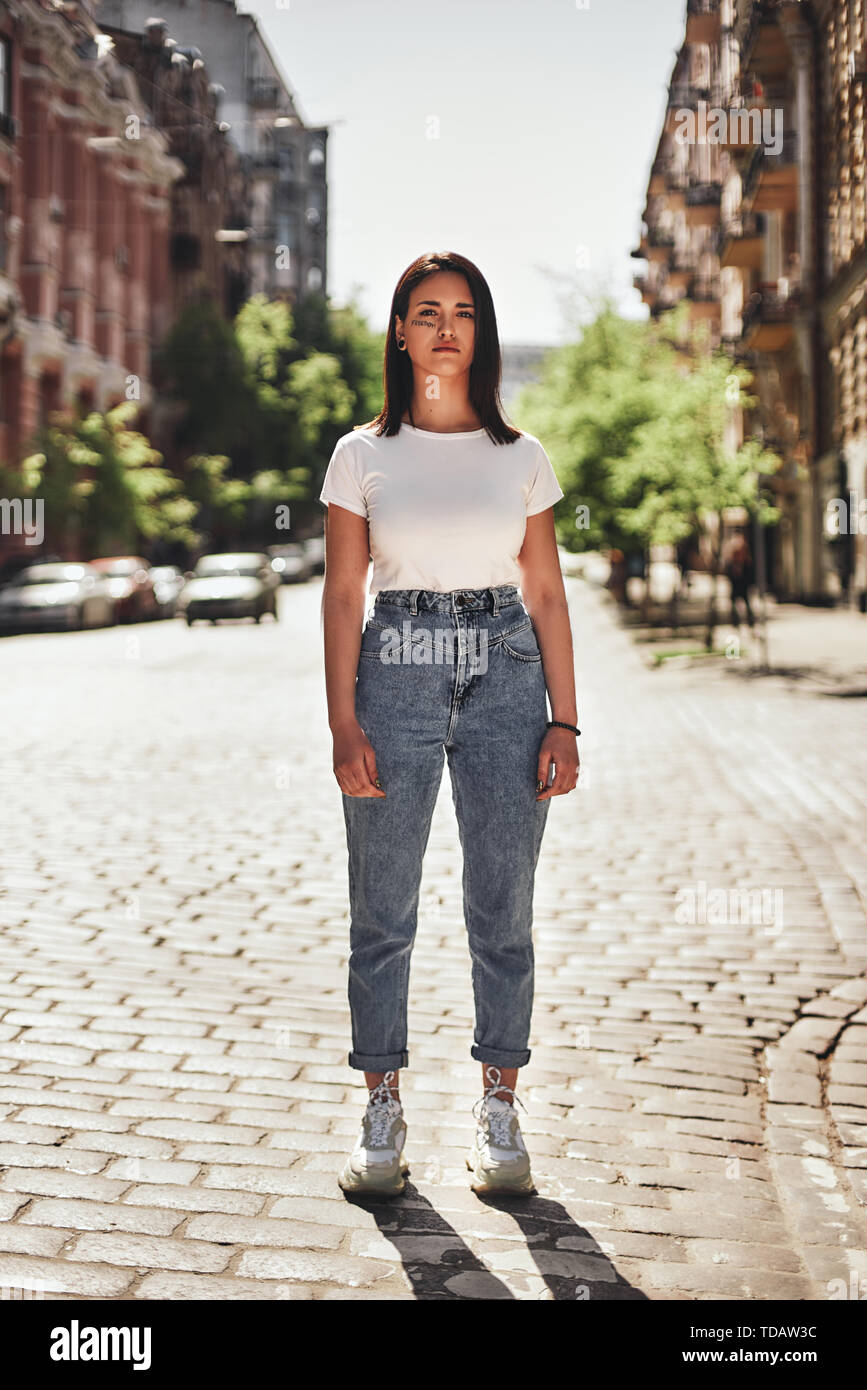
[548, 110]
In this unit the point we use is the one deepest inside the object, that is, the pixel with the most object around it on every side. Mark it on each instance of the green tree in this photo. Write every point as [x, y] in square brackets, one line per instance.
[636, 421]
[103, 486]
[200, 365]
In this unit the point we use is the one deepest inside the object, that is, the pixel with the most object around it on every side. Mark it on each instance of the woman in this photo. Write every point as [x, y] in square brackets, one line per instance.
[454, 508]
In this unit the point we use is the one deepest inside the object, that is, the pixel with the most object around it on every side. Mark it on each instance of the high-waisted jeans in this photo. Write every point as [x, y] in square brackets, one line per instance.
[459, 673]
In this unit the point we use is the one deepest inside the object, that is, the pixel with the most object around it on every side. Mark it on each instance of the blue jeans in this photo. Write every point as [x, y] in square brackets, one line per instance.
[459, 672]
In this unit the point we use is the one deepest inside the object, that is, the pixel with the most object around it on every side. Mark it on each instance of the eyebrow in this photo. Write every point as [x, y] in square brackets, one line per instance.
[461, 304]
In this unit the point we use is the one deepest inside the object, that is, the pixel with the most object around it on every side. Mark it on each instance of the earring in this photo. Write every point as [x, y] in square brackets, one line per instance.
[401, 342]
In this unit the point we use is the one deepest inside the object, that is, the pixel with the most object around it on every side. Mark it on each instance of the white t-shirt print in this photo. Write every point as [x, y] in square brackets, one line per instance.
[444, 511]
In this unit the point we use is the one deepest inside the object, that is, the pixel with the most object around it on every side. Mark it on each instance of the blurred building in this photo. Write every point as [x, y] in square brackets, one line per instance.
[284, 157]
[207, 251]
[522, 363]
[755, 216]
[84, 222]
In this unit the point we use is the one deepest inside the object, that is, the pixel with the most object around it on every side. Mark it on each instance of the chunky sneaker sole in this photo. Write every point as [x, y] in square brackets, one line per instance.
[496, 1180]
[387, 1184]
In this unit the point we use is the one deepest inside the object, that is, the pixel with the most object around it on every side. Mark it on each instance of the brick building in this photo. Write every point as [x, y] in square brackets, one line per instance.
[285, 158]
[120, 199]
[84, 222]
[755, 215]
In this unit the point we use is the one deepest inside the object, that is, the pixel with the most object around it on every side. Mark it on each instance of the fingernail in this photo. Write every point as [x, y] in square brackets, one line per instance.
[540, 786]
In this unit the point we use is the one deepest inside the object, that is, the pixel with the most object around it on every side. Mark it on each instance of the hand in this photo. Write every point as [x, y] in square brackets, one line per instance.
[560, 747]
[355, 762]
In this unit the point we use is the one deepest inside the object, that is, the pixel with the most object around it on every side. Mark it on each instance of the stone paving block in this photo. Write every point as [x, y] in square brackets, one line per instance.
[175, 1287]
[152, 1252]
[99, 1216]
[194, 1199]
[315, 1267]
[265, 1230]
[48, 1182]
[98, 1280]
[75, 1160]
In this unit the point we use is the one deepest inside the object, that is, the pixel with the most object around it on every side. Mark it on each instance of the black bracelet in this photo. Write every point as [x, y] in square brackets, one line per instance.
[558, 724]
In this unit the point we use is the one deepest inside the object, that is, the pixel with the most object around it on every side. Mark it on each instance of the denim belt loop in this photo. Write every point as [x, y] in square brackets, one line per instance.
[413, 604]
[495, 595]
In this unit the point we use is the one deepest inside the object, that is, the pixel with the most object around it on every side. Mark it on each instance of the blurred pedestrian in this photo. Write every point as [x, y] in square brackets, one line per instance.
[739, 569]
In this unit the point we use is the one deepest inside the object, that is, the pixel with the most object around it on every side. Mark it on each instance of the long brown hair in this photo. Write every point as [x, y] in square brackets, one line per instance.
[485, 368]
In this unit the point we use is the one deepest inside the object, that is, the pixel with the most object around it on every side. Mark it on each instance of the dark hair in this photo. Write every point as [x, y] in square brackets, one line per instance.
[485, 368]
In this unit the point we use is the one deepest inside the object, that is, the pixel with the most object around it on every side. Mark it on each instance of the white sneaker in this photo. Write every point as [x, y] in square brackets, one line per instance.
[498, 1159]
[377, 1163]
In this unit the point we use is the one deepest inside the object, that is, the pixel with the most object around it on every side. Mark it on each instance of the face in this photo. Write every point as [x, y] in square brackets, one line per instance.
[441, 315]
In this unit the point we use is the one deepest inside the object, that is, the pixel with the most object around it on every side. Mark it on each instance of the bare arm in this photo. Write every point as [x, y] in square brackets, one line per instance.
[347, 553]
[545, 600]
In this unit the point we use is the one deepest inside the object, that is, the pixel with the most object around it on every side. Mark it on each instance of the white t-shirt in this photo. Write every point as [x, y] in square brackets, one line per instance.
[444, 511]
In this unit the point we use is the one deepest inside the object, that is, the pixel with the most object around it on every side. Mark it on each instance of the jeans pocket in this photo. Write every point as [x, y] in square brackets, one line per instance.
[382, 642]
[522, 644]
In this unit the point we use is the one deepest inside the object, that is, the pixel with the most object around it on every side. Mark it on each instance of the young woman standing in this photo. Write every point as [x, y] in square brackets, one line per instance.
[454, 508]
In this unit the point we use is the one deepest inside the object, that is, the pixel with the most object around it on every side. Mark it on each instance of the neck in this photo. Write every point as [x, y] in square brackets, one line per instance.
[448, 414]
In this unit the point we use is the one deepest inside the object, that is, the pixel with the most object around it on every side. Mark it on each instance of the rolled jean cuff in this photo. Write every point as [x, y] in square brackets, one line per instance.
[498, 1057]
[384, 1061]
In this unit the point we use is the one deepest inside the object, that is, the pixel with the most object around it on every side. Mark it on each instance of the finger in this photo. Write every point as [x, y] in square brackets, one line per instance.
[356, 783]
[371, 773]
[562, 783]
[543, 767]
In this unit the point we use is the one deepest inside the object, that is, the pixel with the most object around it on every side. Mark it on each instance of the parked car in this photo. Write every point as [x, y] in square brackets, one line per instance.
[314, 548]
[130, 585]
[168, 582]
[63, 595]
[23, 560]
[230, 586]
[290, 562]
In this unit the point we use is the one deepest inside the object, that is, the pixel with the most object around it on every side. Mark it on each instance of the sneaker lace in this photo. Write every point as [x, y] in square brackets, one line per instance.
[497, 1124]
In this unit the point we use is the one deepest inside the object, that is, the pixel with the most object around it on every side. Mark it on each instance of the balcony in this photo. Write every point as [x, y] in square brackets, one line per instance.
[770, 182]
[704, 297]
[739, 241]
[263, 92]
[767, 319]
[659, 243]
[743, 128]
[702, 204]
[763, 46]
[702, 21]
[676, 182]
[265, 164]
[681, 270]
[682, 96]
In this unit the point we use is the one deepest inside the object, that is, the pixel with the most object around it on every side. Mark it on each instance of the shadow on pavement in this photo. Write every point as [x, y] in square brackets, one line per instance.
[440, 1265]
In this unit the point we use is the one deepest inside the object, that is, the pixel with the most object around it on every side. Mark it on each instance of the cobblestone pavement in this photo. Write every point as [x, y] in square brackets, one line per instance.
[174, 1093]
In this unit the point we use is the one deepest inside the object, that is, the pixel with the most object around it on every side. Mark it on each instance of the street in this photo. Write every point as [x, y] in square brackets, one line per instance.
[175, 1099]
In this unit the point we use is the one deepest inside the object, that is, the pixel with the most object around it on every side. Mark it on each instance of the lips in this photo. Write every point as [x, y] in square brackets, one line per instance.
[446, 349]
